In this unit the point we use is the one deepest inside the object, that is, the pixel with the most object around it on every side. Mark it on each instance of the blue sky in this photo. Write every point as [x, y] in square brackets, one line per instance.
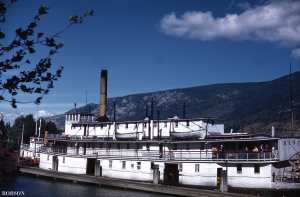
[155, 45]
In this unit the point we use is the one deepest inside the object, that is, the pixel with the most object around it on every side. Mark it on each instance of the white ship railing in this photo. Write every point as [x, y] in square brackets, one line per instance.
[168, 155]
[25, 146]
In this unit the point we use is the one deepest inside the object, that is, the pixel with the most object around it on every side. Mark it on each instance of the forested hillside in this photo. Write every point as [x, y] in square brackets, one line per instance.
[260, 105]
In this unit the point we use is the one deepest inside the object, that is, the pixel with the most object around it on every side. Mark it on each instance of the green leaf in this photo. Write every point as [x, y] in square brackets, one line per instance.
[31, 50]
[38, 90]
[42, 10]
[2, 35]
[60, 45]
[13, 103]
[40, 35]
[32, 25]
[19, 31]
[38, 100]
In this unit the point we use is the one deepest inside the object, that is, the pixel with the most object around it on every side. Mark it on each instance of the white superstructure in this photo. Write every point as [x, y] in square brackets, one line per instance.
[175, 151]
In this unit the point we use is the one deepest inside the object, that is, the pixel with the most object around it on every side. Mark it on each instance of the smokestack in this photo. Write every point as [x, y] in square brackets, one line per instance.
[103, 93]
[273, 131]
[103, 97]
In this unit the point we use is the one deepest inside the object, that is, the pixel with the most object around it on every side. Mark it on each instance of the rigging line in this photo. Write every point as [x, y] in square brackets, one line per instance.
[196, 124]
[136, 115]
[92, 130]
[294, 148]
[170, 106]
[194, 109]
[77, 131]
[188, 127]
[172, 112]
[96, 98]
[127, 103]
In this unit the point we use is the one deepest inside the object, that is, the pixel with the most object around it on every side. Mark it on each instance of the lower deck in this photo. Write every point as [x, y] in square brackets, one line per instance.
[198, 173]
[136, 185]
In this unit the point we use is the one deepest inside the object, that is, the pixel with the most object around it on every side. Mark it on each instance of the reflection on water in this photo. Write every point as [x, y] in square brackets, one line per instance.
[47, 187]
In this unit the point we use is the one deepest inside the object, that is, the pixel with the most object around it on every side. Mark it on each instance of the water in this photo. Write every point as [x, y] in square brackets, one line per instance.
[33, 186]
[46, 187]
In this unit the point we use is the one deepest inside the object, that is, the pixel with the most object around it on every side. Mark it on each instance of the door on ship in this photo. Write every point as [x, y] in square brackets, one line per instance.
[90, 166]
[219, 170]
[171, 174]
[55, 163]
[160, 150]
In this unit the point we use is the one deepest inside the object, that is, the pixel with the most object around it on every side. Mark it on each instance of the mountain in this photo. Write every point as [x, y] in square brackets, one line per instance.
[248, 106]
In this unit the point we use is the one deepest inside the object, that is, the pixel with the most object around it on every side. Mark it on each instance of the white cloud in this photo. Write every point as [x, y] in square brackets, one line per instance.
[9, 115]
[232, 3]
[45, 114]
[276, 22]
[296, 53]
[244, 5]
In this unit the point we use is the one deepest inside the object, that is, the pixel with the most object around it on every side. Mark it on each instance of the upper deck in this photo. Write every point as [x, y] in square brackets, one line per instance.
[202, 150]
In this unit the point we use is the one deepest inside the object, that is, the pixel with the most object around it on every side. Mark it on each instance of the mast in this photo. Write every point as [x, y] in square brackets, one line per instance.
[86, 110]
[183, 116]
[292, 115]
[40, 129]
[22, 135]
[37, 116]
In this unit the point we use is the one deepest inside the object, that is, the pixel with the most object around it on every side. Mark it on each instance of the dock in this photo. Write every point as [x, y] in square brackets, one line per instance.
[127, 184]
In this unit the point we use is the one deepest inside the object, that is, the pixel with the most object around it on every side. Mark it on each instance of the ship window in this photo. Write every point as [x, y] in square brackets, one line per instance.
[145, 125]
[256, 168]
[176, 124]
[213, 122]
[132, 166]
[110, 163]
[64, 159]
[239, 168]
[148, 146]
[100, 144]
[119, 146]
[166, 124]
[187, 123]
[128, 146]
[155, 124]
[101, 126]
[197, 167]
[117, 126]
[47, 156]
[202, 146]
[180, 167]
[174, 146]
[138, 166]
[123, 164]
[126, 125]
[187, 146]
[109, 146]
